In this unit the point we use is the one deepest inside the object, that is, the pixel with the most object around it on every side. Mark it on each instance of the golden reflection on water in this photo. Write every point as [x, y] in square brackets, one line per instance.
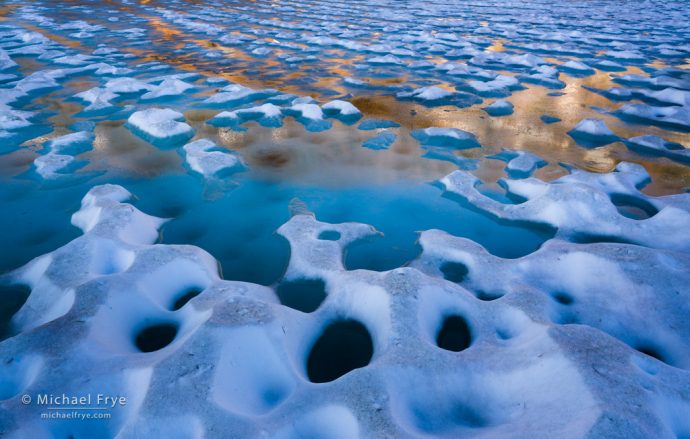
[288, 148]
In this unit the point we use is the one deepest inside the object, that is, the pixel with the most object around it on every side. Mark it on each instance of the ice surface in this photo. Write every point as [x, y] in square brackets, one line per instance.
[446, 137]
[499, 108]
[160, 126]
[244, 354]
[204, 157]
[553, 303]
[593, 133]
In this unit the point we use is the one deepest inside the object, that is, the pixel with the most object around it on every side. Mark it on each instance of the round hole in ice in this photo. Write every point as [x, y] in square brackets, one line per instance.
[652, 352]
[454, 335]
[454, 271]
[302, 294]
[487, 296]
[562, 298]
[633, 207]
[345, 345]
[156, 337]
[186, 295]
[13, 298]
[329, 235]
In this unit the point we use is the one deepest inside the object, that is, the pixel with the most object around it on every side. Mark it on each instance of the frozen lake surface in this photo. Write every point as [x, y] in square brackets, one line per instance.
[346, 219]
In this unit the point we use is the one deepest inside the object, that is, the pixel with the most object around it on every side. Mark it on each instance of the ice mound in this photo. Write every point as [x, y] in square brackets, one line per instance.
[143, 320]
[382, 140]
[654, 145]
[160, 126]
[234, 95]
[426, 94]
[377, 124]
[99, 99]
[343, 110]
[500, 86]
[167, 88]
[446, 137]
[267, 115]
[520, 164]
[576, 68]
[60, 152]
[592, 133]
[206, 158]
[674, 117]
[310, 115]
[583, 207]
[546, 76]
[499, 108]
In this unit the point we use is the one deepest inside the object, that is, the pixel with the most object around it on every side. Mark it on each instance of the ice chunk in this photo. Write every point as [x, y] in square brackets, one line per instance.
[576, 68]
[310, 115]
[267, 115]
[73, 143]
[655, 145]
[49, 166]
[235, 94]
[499, 108]
[160, 126]
[446, 137]
[206, 158]
[385, 60]
[168, 88]
[520, 164]
[676, 117]
[344, 110]
[426, 94]
[98, 99]
[376, 124]
[592, 133]
[382, 140]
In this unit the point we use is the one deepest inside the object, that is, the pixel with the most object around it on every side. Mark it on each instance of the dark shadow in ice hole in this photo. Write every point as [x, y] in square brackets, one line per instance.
[302, 294]
[488, 296]
[454, 335]
[633, 207]
[155, 337]
[454, 271]
[562, 298]
[185, 297]
[329, 235]
[345, 345]
[12, 298]
[652, 352]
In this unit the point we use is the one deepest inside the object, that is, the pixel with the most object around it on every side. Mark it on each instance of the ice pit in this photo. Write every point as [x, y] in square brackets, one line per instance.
[302, 294]
[454, 334]
[155, 337]
[343, 346]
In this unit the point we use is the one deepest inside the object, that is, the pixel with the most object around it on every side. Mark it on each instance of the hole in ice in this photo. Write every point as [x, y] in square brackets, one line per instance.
[454, 271]
[633, 207]
[345, 345]
[186, 295]
[12, 298]
[652, 352]
[588, 238]
[303, 294]
[329, 235]
[454, 335]
[562, 298]
[155, 337]
[487, 296]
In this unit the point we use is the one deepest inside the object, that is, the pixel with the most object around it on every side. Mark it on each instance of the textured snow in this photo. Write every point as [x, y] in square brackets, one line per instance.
[160, 125]
[206, 162]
